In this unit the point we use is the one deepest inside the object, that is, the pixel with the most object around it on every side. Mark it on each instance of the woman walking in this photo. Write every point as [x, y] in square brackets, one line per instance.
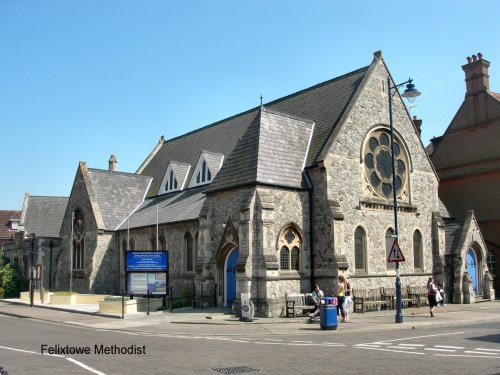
[341, 296]
[431, 295]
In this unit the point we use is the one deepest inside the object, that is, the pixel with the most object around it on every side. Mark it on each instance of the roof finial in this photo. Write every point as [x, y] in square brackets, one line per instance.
[261, 100]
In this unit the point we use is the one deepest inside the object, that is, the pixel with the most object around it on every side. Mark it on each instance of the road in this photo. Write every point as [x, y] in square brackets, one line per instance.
[457, 350]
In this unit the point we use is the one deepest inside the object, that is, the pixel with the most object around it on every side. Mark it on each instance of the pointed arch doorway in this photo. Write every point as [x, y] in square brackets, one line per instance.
[472, 267]
[230, 277]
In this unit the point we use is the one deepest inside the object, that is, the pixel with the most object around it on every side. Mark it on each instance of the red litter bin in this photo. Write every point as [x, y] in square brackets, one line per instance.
[328, 313]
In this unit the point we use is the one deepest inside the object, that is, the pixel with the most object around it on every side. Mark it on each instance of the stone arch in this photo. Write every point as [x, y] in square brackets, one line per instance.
[475, 249]
[228, 243]
[290, 238]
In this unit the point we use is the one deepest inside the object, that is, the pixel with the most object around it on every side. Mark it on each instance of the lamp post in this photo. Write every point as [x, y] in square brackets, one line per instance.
[32, 270]
[410, 93]
[51, 246]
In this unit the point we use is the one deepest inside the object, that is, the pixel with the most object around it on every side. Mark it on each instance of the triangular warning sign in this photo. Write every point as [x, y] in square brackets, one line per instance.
[395, 255]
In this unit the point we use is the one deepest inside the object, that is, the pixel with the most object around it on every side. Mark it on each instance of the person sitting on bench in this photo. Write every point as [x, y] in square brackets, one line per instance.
[316, 296]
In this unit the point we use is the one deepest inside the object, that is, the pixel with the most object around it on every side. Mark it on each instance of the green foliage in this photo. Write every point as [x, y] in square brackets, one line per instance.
[11, 281]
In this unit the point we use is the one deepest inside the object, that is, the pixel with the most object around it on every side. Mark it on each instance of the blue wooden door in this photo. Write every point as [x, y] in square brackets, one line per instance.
[231, 277]
[471, 268]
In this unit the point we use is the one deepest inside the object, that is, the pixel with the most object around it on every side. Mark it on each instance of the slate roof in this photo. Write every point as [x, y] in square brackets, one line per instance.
[323, 103]
[272, 151]
[453, 231]
[44, 215]
[5, 217]
[118, 194]
[173, 207]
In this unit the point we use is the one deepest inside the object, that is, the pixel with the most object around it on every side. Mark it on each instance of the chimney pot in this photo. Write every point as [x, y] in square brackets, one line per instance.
[476, 75]
[113, 163]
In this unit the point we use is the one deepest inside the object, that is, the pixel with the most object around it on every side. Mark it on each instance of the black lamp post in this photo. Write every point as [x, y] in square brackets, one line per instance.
[32, 270]
[411, 94]
[51, 246]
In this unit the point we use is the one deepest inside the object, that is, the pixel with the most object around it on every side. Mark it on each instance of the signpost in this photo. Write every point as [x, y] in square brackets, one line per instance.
[395, 255]
[147, 272]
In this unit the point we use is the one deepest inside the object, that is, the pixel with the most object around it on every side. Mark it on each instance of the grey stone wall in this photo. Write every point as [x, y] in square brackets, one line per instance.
[342, 172]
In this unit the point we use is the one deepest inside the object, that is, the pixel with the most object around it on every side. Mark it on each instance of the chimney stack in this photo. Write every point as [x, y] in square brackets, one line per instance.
[113, 164]
[418, 125]
[476, 75]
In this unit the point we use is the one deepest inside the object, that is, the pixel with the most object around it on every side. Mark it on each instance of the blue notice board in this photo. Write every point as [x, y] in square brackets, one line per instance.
[147, 261]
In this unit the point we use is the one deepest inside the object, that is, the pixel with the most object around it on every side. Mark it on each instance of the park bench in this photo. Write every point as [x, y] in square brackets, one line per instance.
[406, 299]
[364, 299]
[419, 294]
[298, 303]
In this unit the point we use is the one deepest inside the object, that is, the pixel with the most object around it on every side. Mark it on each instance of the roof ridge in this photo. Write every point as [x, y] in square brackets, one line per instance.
[118, 172]
[284, 114]
[270, 103]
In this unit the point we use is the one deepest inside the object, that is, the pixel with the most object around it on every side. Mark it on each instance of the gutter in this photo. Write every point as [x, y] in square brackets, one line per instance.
[311, 241]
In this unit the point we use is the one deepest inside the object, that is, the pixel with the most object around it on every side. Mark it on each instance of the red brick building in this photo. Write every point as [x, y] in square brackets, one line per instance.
[9, 221]
[467, 160]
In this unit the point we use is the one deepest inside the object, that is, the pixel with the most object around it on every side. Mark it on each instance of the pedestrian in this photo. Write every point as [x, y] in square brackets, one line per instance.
[441, 292]
[431, 295]
[347, 298]
[316, 296]
[341, 297]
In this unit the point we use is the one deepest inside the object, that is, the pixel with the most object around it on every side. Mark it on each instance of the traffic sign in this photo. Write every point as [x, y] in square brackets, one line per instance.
[395, 255]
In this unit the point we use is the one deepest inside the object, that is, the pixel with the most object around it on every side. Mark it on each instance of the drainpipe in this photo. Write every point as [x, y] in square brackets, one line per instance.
[311, 242]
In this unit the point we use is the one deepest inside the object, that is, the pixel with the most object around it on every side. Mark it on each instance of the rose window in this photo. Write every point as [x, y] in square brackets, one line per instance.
[378, 166]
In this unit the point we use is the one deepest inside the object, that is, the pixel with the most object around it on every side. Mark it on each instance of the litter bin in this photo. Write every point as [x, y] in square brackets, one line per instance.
[328, 313]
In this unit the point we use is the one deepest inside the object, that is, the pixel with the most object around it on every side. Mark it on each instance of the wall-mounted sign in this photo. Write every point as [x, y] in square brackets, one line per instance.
[147, 261]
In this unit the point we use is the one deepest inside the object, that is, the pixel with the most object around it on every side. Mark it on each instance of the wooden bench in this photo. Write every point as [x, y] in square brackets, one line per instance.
[419, 294]
[297, 303]
[406, 299]
[363, 299]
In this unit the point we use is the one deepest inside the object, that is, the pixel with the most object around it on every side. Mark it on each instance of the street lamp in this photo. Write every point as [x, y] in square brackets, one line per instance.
[411, 94]
[32, 269]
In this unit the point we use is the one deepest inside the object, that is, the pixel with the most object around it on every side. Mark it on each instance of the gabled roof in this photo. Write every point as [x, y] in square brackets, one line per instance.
[473, 136]
[172, 208]
[117, 194]
[44, 215]
[453, 232]
[5, 217]
[271, 152]
[323, 103]
[180, 172]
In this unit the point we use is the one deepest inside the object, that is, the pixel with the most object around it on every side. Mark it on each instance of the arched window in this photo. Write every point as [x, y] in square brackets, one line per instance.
[389, 239]
[294, 258]
[188, 239]
[417, 250]
[131, 244]
[490, 262]
[360, 250]
[152, 241]
[284, 258]
[290, 242]
[78, 240]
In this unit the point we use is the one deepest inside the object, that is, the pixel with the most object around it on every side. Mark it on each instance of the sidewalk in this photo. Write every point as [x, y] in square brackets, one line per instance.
[219, 320]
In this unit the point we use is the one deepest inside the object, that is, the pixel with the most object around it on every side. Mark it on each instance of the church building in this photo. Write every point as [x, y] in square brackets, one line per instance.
[293, 192]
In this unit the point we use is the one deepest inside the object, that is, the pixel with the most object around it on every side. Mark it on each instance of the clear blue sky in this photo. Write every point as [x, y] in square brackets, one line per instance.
[80, 80]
